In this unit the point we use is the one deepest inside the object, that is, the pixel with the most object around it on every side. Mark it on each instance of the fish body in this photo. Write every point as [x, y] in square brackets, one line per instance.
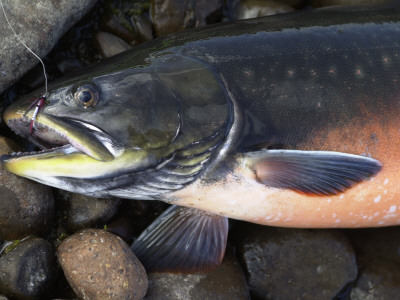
[288, 121]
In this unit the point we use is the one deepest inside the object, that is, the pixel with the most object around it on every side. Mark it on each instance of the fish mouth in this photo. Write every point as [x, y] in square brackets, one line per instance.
[67, 146]
[63, 135]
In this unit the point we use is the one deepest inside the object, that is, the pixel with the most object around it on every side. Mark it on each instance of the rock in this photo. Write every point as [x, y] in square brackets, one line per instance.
[100, 265]
[27, 271]
[39, 25]
[129, 20]
[321, 3]
[26, 207]
[225, 282]
[295, 263]
[379, 259]
[83, 211]
[109, 45]
[175, 15]
[248, 9]
[378, 279]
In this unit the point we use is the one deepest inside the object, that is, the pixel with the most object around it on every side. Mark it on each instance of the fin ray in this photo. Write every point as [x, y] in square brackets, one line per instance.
[310, 172]
[183, 240]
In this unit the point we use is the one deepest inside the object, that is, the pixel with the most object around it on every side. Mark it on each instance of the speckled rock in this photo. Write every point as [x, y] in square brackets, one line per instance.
[294, 263]
[379, 259]
[26, 207]
[248, 9]
[27, 271]
[226, 282]
[82, 211]
[39, 24]
[100, 265]
[175, 15]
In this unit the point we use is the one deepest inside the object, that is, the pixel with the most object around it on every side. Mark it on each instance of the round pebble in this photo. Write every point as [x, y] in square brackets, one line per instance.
[100, 265]
[291, 263]
[26, 207]
[28, 269]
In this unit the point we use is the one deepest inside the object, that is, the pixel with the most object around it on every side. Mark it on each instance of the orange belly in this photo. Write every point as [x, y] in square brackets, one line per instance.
[372, 203]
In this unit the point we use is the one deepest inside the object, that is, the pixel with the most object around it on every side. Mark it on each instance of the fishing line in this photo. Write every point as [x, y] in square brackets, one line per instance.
[29, 49]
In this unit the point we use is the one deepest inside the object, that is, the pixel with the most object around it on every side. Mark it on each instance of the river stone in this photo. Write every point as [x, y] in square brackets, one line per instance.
[27, 271]
[170, 16]
[100, 265]
[226, 282]
[248, 9]
[295, 263]
[82, 211]
[26, 207]
[378, 256]
[39, 24]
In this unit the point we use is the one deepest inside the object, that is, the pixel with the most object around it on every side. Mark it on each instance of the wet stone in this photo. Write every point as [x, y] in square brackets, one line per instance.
[39, 25]
[294, 263]
[227, 281]
[248, 9]
[100, 265]
[83, 211]
[26, 207]
[174, 15]
[28, 269]
[378, 256]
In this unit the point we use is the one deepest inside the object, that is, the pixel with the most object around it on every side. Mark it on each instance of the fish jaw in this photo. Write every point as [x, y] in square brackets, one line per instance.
[70, 148]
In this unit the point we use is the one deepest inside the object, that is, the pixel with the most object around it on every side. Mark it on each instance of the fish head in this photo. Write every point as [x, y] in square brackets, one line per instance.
[101, 124]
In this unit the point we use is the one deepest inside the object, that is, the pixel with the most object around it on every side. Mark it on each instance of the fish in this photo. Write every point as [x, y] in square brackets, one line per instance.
[290, 121]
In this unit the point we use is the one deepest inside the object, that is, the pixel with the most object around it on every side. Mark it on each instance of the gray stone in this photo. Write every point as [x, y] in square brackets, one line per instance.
[26, 207]
[248, 9]
[225, 282]
[39, 24]
[100, 265]
[175, 15]
[82, 211]
[27, 271]
[295, 263]
[378, 256]
[109, 45]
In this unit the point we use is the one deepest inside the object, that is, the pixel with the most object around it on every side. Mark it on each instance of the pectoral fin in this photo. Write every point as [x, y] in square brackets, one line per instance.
[183, 240]
[310, 172]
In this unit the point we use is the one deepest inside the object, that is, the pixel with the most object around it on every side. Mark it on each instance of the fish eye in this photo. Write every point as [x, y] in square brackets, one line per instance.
[86, 95]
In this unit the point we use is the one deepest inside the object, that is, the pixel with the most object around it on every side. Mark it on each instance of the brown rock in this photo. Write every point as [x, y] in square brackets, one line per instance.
[100, 265]
[26, 207]
[226, 282]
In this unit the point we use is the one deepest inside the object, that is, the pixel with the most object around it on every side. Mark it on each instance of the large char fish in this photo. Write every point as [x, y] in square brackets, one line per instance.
[288, 121]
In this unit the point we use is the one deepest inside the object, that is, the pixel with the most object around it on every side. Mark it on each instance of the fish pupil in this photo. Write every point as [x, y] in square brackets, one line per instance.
[85, 96]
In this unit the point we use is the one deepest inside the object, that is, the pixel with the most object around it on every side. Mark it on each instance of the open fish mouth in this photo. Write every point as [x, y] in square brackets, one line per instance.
[62, 135]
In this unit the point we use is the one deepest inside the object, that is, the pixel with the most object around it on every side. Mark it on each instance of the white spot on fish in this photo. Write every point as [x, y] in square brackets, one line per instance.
[329, 200]
[333, 215]
[376, 214]
[341, 196]
[364, 217]
[232, 202]
[337, 221]
[392, 209]
[291, 73]
[386, 181]
[358, 72]
[268, 218]
[385, 60]
[377, 199]
[381, 223]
